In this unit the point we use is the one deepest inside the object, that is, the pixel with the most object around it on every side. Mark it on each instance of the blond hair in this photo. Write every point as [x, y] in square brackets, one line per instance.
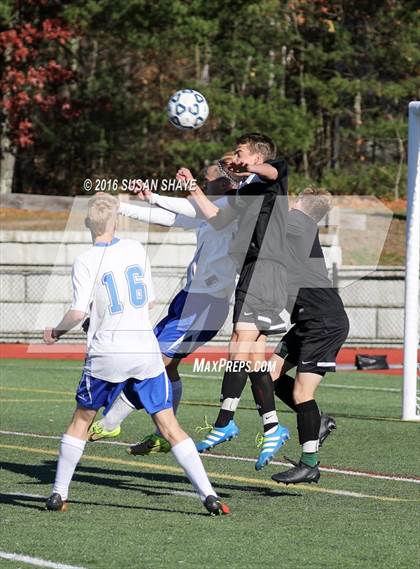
[316, 202]
[102, 213]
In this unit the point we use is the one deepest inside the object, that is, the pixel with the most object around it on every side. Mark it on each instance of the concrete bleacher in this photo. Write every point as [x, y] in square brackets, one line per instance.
[35, 286]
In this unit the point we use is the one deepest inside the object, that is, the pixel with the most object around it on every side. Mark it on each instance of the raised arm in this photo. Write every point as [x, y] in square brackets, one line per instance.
[265, 171]
[218, 218]
[166, 212]
[148, 214]
[180, 206]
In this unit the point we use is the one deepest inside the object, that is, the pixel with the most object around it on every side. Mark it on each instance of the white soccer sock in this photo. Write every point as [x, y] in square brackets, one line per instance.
[187, 456]
[270, 417]
[310, 446]
[176, 399]
[120, 410]
[71, 450]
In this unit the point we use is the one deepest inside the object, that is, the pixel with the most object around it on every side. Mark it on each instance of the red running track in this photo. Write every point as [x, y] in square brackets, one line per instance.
[210, 353]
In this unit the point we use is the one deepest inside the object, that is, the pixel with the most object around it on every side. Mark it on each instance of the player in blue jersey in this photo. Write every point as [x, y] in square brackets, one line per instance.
[199, 310]
[112, 284]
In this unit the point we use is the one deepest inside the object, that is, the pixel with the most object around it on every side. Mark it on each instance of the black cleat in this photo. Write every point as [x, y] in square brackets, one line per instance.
[328, 425]
[56, 504]
[216, 507]
[301, 472]
[85, 325]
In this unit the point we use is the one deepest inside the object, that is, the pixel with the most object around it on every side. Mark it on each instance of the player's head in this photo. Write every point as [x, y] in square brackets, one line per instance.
[102, 214]
[216, 179]
[254, 148]
[315, 202]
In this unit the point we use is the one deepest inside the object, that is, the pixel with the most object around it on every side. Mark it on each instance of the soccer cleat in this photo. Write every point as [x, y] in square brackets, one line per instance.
[85, 325]
[216, 507]
[300, 472]
[97, 432]
[328, 425]
[152, 444]
[218, 435]
[56, 504]
[270, 445]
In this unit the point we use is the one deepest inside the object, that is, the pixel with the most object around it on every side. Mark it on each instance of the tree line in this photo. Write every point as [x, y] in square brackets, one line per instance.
[85, 86]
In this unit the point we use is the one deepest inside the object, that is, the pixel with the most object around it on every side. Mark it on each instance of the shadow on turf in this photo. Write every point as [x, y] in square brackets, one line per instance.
[162, 483]
[17, 501]
[25, 502]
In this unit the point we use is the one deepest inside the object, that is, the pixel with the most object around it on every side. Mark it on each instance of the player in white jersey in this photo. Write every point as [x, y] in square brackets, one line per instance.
[200, 309]
[112, 283]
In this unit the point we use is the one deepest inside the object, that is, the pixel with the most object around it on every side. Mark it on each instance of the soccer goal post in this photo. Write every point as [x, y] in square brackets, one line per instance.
[411, 396]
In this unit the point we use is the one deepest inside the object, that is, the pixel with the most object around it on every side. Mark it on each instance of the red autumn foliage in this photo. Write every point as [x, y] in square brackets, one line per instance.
[32, 76]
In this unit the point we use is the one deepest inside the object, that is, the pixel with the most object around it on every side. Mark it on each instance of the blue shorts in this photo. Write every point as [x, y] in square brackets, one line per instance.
[93, 393]
[193, 319]
[152, 395]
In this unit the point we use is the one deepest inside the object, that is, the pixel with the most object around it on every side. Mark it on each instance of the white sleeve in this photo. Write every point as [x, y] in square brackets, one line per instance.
[181, 206]
[149, 282]
[155, 215]
[187, 222]
[83, 285]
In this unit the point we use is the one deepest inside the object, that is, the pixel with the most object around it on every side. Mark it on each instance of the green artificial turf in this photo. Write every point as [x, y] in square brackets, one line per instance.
[126, 512]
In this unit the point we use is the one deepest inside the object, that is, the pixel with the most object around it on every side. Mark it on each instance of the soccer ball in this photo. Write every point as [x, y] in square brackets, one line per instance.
[187, 109]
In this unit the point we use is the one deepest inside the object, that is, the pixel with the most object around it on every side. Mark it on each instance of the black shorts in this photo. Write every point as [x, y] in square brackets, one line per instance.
[312, 345]
[260, 296]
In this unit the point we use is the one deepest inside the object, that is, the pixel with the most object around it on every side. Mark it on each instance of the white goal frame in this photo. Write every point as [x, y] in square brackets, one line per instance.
[411, 396]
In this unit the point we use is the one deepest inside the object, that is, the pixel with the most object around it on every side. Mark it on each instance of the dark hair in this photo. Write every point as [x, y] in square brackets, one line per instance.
[223, 170]
[261, 143]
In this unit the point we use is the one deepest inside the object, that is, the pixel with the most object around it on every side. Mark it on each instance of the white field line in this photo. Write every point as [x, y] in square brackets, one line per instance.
[23, 495]
[323, 385]
[198, 375]
[332, 385]
[339, 367]
[58, 438]
[188, 494]
[265, 483]
[181, 493]
[327, 469]
[361, 388]
[171, 492]
[35, 561]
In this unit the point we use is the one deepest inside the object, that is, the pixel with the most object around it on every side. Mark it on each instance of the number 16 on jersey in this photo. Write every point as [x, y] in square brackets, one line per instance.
[137, 291]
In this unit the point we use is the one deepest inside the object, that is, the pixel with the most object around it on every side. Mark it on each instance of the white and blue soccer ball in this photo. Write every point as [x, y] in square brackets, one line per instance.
[188, 109]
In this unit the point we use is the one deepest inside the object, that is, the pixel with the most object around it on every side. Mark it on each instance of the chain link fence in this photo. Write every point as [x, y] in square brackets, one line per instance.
[33, 297]
[374, 301]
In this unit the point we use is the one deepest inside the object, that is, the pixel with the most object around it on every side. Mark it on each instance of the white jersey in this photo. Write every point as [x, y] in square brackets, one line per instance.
[212, 270]
[112, 283]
